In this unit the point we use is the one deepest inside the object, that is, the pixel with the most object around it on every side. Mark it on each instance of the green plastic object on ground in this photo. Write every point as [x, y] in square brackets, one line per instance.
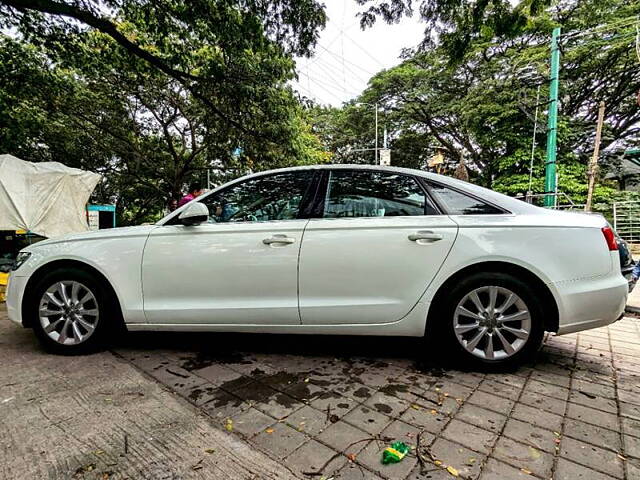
[395, 453]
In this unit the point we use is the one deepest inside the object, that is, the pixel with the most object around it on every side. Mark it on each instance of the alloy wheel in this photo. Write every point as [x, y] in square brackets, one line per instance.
[492, 323]
[68, 312]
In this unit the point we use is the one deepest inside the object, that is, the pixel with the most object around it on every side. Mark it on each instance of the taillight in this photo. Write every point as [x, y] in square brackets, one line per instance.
[610, 238]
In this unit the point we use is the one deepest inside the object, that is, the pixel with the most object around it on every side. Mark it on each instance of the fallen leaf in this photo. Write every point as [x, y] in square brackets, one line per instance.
[533, 453]
[417, 407]
[471, 461]
[352, 457]
[229, 425]
[452, 471]
[209, 450]
[438, 462]
[433, 412]
[528, 472]
[269, 430]
[306, 380]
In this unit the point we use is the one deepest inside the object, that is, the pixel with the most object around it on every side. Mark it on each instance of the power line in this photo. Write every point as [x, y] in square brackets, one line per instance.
[330, 78]
[347, 61]
[366, 52]
[624, 22]
[332, 67]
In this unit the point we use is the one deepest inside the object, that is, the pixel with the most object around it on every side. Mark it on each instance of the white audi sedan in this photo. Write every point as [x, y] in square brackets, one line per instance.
[336, 249]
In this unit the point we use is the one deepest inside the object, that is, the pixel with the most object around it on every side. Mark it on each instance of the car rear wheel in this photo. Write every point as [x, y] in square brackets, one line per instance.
[71, 312]
[492, 319]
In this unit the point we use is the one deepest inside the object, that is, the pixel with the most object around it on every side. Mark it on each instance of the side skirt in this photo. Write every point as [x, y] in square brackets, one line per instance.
[412, 325]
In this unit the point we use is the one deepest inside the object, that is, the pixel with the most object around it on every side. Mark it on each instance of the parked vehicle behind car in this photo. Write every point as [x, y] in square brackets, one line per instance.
[353, 250]
[626, 260]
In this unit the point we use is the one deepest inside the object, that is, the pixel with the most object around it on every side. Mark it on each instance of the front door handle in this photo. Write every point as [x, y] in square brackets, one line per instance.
[278, 239]
[426, 235]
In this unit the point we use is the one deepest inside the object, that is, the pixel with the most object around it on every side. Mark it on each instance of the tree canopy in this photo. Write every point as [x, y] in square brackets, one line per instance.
[482, 108]
[151, 94]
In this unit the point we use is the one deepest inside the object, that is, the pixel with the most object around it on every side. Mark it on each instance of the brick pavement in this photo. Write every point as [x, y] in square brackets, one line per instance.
[306, 401]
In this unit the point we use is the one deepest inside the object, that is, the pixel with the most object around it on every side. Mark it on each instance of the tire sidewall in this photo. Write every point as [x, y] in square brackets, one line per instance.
[98, 338]
[444, 327]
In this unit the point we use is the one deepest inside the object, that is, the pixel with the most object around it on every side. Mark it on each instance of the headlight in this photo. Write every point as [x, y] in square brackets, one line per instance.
[20, 259]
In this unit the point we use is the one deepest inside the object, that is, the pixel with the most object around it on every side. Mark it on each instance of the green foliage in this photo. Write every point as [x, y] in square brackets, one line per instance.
[481, 108]
[154, 94]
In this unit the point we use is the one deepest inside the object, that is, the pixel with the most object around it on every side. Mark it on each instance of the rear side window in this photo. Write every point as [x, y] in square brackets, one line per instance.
[352, 193]
[457, 203]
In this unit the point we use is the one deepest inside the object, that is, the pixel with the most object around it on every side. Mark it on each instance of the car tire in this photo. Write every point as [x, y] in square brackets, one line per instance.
[72, 312]
[466, 333]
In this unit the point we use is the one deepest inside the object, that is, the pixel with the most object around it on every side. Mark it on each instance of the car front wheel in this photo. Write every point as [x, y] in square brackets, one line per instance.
[71, 312]
[492, 319]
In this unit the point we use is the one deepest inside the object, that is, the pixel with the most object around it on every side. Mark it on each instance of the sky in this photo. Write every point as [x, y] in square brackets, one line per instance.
[346, 56]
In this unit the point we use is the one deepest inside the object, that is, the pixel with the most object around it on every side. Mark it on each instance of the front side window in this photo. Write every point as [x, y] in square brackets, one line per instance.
[374, 194]
[272, 197]
[457, 203]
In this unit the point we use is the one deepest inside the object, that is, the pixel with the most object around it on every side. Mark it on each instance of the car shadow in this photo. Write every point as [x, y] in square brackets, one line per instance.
[225, 346]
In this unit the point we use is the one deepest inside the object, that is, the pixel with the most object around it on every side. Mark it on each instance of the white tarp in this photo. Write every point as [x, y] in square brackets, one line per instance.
[46, 198]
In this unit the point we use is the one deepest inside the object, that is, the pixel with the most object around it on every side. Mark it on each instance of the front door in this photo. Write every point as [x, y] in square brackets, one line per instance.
[380, 243]
[240, 267]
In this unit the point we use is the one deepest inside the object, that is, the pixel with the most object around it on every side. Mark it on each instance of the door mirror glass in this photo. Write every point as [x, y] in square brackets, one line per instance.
[194, 214]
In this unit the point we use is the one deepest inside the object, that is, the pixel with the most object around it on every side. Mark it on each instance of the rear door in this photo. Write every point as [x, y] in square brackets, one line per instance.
[379, 243]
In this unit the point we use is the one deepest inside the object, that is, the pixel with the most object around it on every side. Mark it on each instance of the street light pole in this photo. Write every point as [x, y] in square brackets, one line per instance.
[375, 149]
[377, 157]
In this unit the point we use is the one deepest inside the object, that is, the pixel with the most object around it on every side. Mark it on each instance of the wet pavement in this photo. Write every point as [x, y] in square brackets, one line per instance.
[328, 406]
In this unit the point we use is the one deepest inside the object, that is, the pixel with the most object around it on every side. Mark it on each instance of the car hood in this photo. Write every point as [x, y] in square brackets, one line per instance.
[141, 230]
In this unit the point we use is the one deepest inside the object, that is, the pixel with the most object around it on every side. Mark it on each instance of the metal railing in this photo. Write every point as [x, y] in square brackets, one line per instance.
[562, 201]
[626, 220]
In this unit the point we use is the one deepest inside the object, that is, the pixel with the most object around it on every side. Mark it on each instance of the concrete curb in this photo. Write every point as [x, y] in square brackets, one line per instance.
[632, 309]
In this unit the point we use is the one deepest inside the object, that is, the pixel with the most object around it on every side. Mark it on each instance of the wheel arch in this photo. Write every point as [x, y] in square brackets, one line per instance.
[548, 301]
[43, 270]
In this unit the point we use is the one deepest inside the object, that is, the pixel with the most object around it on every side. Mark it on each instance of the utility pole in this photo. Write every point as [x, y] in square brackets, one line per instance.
[377, 156]
[552, 123]
[593, 164]
[374, 105]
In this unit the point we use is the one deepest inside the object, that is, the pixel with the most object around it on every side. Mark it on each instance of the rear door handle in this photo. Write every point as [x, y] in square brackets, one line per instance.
[278, 239]
[427, 235]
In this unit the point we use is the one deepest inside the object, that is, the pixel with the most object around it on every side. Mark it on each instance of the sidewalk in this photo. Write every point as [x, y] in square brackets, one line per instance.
[97, 417]
[633, 302]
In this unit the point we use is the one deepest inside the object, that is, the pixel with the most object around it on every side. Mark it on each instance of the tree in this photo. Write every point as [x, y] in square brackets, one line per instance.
[482, 107]
[457, 24]
[87, 98]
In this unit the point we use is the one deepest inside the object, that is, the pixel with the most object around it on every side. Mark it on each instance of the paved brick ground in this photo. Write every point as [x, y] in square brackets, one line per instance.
[96, 417]
[307, 401]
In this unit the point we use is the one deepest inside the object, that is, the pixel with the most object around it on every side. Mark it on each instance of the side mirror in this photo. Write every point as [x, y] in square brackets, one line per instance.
[195, 214]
